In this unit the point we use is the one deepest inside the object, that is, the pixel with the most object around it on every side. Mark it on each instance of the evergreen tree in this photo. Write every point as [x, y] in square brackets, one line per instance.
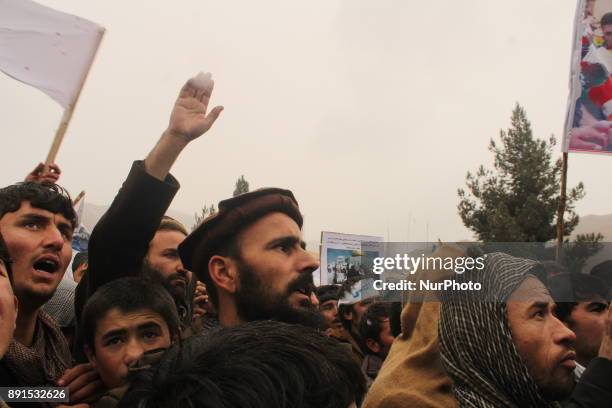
[518, 200]
[206, 211]
[242, 186]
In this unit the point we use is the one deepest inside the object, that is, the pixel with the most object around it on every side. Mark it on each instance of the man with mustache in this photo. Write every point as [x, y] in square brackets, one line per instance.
[503, 346]
[252, 258]
[133, 237]
[328, 306]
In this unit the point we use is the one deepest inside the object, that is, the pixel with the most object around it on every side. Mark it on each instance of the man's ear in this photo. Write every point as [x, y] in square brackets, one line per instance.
[373, 345]
[224, 273]
[90, 355]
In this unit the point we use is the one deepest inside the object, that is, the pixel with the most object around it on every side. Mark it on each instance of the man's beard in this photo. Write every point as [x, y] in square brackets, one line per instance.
[182, 295]
[554, 386]
[253, 302]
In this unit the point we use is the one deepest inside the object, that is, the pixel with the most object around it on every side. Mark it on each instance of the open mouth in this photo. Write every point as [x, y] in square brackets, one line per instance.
[48, 265]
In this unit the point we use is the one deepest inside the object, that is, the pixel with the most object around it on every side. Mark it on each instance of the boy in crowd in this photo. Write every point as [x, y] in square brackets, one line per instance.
[263, 364]
[79, 266]
[126, 325]
[375, 331]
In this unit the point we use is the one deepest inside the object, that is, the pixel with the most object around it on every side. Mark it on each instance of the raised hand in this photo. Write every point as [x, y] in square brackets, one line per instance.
[44, 174]
[189, 119]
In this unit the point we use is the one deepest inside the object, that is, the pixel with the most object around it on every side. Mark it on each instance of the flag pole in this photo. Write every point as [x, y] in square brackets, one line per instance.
[561, 208]
[78, 198]
[67, 116]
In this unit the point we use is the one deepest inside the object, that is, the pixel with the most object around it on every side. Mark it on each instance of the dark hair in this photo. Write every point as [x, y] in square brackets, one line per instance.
[261, 364]
[6, 258]
[128, 295]
[328, 292]
[79, 259]
[396, 318]
[568, 289]
[52, 198]
[606, 19]
[371, 322]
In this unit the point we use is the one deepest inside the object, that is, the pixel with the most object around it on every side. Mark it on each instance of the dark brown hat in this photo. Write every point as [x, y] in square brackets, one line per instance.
[234, 214]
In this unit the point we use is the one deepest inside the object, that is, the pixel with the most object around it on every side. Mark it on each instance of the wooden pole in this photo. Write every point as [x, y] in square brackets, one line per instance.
[561, 208]
[61, 130]
[78, 198]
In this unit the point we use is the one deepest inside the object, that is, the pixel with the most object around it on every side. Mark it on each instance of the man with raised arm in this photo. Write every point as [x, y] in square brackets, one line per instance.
[133, 237]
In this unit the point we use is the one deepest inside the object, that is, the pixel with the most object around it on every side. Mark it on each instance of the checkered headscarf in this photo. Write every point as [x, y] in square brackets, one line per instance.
[476, 342]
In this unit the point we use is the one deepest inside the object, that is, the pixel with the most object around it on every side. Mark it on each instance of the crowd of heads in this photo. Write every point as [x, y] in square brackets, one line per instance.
[229, 316]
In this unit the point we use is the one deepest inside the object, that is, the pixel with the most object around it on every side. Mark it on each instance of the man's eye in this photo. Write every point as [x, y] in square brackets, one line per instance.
[285, 247]
[540, 313]
[599, 308]
[32, 225]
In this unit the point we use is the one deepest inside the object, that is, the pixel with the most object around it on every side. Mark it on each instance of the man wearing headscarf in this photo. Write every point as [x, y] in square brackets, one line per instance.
[503, 346]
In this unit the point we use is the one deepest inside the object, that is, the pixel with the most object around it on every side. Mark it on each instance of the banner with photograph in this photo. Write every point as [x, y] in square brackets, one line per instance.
[588, 126]
[345, 256]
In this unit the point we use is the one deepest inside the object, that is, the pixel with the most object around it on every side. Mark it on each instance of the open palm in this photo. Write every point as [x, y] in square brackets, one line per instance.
[189, 119]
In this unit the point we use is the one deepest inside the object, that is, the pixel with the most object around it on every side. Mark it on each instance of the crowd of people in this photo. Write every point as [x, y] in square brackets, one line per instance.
[229, 316]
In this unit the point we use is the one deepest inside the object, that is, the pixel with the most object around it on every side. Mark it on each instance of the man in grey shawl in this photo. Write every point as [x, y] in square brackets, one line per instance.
[504, 347]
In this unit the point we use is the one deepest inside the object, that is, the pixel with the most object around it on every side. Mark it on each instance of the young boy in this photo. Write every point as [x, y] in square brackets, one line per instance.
[126, 325]
[375, 331]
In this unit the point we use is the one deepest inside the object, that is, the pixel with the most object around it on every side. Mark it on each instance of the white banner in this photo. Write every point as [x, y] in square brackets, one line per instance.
[47, 49]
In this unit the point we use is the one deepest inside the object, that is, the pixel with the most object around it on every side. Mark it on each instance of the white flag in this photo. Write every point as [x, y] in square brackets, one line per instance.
[47, 49]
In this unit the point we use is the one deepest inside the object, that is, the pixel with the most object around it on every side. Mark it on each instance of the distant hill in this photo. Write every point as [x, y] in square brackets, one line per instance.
[595, 223]
[93, 212]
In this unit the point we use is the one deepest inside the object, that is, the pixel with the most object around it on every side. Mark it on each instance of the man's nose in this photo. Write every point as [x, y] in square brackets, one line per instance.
[562, 334]
[53, 238]
[308, 263]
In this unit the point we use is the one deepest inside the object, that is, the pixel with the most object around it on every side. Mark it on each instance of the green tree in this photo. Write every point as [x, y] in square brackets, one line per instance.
[242, 186]
[206, 212]
[518, 200]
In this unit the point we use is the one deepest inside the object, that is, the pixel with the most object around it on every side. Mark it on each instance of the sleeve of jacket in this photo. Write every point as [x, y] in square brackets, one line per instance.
[120, 240]
[594, 390]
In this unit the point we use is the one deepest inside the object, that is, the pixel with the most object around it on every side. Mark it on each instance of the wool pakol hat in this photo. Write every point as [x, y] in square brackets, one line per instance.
[234, 215]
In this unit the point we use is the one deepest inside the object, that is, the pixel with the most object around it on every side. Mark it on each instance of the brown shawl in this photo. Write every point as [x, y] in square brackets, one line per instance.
[46, 360]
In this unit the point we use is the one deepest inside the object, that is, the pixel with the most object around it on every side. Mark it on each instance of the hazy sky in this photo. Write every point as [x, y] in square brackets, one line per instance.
[371, 112]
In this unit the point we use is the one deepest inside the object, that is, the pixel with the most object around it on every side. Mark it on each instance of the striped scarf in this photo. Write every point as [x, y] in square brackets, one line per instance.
[476, 342]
